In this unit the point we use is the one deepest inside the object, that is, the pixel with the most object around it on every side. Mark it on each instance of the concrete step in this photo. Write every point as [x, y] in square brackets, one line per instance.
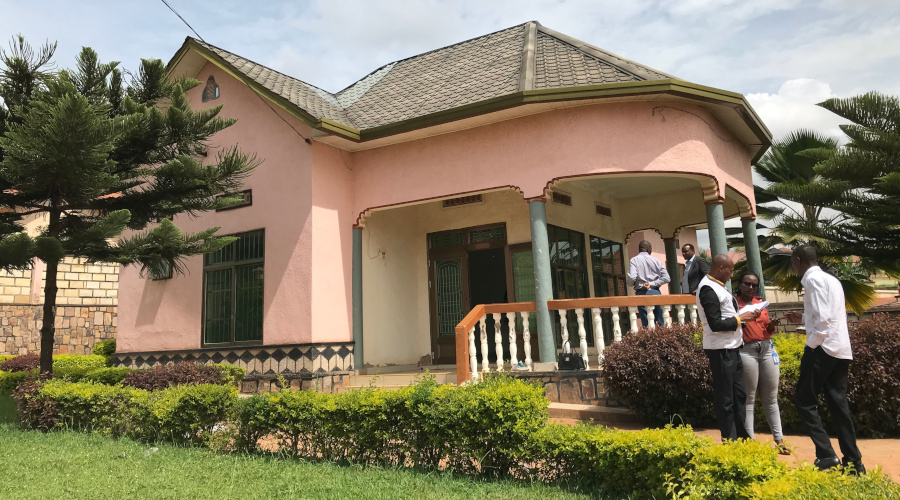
[599, 414]
[398, 379]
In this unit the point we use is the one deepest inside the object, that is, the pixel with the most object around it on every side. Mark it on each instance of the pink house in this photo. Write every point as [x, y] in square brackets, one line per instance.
[519, 166]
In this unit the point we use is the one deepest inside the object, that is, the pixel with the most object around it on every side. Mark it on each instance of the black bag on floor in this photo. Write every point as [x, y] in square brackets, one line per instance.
[570, 360]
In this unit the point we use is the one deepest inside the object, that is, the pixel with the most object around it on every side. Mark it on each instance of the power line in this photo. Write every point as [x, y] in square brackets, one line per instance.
[264, 100]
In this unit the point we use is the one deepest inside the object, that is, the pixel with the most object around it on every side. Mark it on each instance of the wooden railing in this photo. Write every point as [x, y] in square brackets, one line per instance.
[684, 306]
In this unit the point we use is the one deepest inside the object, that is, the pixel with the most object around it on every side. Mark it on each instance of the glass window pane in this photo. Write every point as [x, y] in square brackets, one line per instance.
[249, 246]
[248, 303]
[494, 233]
[219, 256]
[446, 240]
[217, 325]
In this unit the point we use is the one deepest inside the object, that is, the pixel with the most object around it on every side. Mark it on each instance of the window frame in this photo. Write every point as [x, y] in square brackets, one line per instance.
[233, 265]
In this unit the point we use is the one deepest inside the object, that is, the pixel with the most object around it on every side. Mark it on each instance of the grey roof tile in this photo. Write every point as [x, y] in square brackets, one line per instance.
[468, 72]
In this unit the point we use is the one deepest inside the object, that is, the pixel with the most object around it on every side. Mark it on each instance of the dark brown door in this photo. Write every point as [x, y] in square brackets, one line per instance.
[451, 255]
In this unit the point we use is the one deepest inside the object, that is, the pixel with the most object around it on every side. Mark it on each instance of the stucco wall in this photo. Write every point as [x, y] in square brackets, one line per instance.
[532, 151]
[166, 315]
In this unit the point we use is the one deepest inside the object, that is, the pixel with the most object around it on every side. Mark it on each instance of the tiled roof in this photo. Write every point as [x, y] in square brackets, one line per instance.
[524, 57]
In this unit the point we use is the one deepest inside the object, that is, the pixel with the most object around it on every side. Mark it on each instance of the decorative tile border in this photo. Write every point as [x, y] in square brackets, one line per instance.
[291, 361]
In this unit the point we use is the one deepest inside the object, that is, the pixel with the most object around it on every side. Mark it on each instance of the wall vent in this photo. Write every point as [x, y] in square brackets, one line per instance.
[463, 200]
[561, 198]
[602, 210]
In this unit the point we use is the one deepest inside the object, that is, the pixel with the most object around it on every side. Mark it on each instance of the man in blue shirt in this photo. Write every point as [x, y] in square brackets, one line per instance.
[646, 274]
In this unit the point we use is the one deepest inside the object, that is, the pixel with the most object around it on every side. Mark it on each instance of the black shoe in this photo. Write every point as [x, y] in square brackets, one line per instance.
[854, 468]
[824, 464]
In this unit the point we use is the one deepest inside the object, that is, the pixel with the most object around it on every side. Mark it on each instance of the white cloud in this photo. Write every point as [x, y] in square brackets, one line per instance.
[794, 107]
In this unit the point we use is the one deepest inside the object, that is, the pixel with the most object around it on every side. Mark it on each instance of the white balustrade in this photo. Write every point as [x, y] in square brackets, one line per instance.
[563, 326]
[632, 318]
[484, 346]
[582, 336]
[684, 312]
[617, 326]
[473, 360]
[526, 336]
[513, 348]
[599, 340]
[498, 340]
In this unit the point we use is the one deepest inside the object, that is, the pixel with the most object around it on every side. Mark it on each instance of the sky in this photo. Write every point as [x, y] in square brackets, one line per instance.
[783, 55]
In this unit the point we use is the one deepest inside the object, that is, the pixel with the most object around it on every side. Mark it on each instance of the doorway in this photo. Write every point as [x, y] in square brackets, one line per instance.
[467, 267]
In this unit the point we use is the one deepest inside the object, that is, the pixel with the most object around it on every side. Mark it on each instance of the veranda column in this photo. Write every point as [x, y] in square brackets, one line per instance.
[357, 300]
[543, 286]
[751, 246]
[672, 266]
[715, 223]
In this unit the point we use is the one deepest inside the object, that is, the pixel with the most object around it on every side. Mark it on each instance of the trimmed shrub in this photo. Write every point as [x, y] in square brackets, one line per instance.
[89, 406]
[662, 375]
[184, 413]
[22, 363]
[231, 374]
[726, 472]
[874, 385]
[617, 462]
[78, 361]
[9, 380]
[807, 482]
[108, 376]
[105, 348]
[185, 373]
[34, 411]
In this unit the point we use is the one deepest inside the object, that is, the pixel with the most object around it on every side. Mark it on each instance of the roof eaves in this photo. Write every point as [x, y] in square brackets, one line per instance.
[301, 114]
[627, 65]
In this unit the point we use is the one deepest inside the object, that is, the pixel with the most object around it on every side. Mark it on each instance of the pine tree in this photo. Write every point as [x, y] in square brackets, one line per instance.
[865, 176]
[94, 158]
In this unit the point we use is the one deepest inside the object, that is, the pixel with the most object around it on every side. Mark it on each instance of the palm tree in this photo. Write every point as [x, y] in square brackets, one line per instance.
[791, 176]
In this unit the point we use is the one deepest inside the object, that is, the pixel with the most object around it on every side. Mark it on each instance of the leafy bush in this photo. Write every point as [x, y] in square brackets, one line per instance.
[620, 463]
[78, 361]
[186, 373]
[9, 380]
[184, 413]
[231, 374]
[807, 482]
[90, 406]
[660, 374]
[108, 376]
[4, 357]
[22, 363]
[105, 348]
[874, 385]
[726, 472]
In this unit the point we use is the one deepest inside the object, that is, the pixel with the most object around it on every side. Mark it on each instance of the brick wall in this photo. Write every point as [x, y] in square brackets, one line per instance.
[85, 307]
[85, 284]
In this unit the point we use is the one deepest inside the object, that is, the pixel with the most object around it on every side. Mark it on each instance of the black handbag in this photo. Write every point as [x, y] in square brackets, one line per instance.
[570, 360]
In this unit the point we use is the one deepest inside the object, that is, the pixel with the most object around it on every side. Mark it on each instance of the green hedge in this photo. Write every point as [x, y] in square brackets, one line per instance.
[496, 427]
[181, 414]
[105, 348]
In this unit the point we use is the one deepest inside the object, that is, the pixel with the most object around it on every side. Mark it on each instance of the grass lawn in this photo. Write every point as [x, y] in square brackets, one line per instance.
[74, 465]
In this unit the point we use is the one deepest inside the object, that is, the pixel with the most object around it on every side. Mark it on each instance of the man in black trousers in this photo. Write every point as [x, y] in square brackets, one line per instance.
[825, 362]
[722, 341]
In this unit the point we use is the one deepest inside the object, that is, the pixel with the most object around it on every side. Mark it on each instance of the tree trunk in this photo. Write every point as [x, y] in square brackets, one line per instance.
[48, 328]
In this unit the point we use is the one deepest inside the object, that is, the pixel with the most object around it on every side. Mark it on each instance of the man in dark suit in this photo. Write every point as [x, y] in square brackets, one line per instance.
[695, 268]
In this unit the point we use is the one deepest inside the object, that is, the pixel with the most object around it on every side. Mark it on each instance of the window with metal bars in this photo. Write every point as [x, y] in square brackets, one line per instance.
[233, 291]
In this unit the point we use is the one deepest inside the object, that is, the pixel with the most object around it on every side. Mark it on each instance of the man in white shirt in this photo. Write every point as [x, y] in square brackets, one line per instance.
[646, 274]
[722, 340]
[825, 362]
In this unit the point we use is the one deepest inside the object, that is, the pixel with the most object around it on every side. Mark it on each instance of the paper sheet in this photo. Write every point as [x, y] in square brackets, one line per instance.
[754, 307]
